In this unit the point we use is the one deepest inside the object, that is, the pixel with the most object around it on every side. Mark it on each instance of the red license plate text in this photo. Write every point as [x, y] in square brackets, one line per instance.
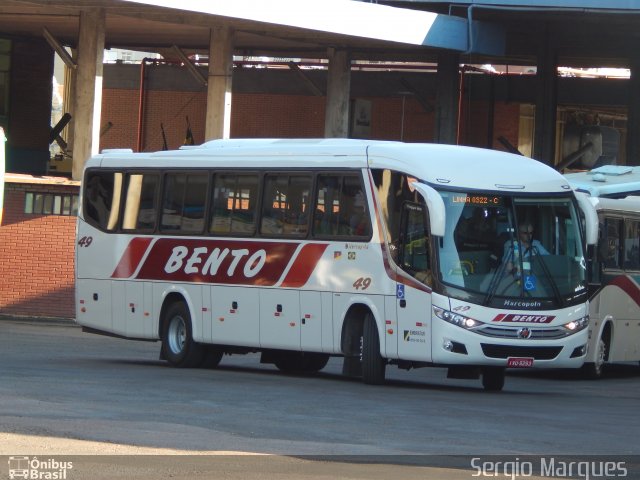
[519, 362]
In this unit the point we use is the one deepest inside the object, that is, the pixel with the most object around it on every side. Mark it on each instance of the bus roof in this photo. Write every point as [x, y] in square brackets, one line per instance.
[437, 164]
[627, 204]
[614, 181]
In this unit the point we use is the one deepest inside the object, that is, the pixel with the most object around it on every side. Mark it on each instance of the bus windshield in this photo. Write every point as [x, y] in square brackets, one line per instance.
[512, 250]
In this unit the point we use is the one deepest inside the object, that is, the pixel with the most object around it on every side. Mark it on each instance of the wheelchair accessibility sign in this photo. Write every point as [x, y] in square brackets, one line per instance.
[529, 282]
[400, 291]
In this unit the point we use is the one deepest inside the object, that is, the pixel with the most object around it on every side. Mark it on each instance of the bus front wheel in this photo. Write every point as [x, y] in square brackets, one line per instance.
[594, 370]
[373, 365]
[178, 346]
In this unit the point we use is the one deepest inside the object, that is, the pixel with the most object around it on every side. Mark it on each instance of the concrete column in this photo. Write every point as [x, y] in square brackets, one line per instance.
[88, 92]
[69, 100]
[218, 117]
[544, 135]
[448, 81]
[336, 120]
[633, 114]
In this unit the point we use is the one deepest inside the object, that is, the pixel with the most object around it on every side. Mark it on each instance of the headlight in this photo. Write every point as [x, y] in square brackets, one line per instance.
[456, 318]
[577, 325]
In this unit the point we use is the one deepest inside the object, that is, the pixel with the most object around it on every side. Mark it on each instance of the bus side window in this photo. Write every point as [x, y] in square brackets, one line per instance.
[273, 205]
[631, 245]
[172, 201]
[341, 207]
[140, 209]
[183, 202]
[327, 205]
[102, 199]
[355, 208]
[285, 205]
[234, 201]
[195, 200]
[297, 211]
[611, 258]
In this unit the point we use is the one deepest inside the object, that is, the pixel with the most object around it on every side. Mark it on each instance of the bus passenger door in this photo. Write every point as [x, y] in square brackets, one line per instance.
[414, 323]
[311, 321]
[413, 291]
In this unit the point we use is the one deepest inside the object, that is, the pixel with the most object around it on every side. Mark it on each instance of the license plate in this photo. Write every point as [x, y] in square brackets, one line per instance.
[519, 362]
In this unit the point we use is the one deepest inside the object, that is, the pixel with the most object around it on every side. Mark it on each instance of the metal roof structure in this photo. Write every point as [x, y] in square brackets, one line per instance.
[585, 32]
[287, 28]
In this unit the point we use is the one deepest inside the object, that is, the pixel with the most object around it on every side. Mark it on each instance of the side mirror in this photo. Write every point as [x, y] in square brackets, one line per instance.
[435, 204]
[590, 217]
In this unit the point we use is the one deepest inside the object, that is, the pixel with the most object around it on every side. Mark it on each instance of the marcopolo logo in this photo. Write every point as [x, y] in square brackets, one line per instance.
[33, 468]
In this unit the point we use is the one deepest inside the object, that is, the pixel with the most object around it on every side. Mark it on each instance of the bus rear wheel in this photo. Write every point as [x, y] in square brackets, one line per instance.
[299, 362]
[179, 348]
[212, 357]
[493, 378]
[373, 365]
[315, 362]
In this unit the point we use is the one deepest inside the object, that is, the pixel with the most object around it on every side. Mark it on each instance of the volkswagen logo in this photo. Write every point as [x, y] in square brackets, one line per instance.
[524, 332]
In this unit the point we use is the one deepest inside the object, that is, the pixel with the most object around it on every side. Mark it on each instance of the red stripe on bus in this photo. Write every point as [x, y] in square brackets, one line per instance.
[629, 287]
[131, 257]
[304, 265]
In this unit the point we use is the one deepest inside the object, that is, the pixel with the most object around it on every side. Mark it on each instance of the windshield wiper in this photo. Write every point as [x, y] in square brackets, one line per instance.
[536, 254]
[495, 280]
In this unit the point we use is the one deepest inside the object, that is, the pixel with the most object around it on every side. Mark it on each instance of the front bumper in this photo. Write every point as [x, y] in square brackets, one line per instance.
[453, 345]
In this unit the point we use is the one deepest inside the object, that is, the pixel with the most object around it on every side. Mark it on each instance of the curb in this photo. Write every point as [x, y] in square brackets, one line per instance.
[38, 320]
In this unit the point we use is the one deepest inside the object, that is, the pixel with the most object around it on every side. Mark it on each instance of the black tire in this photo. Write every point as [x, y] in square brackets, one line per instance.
[289, 362]
[373, 365]
[493, 379]
[316, 362]
[212, 357]
[352, 367]
[178, 346]
[595, 370]
[300, 362]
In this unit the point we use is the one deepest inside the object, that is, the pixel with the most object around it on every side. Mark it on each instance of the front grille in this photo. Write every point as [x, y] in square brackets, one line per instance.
[512, 332]
[506, 351]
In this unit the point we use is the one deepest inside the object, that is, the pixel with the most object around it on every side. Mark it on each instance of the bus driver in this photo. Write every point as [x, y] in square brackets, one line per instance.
[525, 242]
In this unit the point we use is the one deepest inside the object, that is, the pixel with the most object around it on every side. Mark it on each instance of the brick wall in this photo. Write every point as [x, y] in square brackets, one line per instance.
[475, 124]
[36, 256]
[168, 109]
[252, 116]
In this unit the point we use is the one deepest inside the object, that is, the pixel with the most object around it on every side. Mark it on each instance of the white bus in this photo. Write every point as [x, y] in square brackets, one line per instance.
[614, 283]
[306, 249]
[608, 181]
[614, 333]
